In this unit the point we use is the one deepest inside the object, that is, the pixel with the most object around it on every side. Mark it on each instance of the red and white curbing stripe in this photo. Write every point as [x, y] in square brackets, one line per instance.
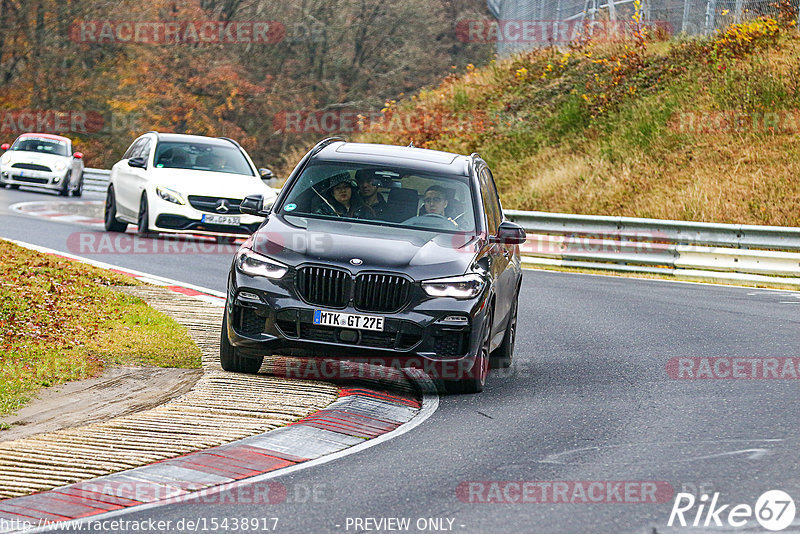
[44, 209]
[361, 417]
[240, 470]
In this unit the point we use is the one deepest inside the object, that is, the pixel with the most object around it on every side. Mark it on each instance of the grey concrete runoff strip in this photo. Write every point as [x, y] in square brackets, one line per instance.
[220, 408]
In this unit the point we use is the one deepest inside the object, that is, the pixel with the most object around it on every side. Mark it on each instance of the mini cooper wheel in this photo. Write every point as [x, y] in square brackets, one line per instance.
[78, 191]
[110, 214]
[64, 189]
[229, 357]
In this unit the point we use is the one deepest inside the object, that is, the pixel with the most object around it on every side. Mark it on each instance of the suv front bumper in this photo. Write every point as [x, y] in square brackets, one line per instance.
[265, 317]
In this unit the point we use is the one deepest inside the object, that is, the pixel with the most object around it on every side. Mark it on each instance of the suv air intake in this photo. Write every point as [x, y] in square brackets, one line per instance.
[323, 286]
[381, 292]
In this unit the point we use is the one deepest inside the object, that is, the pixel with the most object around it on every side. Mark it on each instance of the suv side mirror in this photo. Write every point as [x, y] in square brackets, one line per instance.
[5, 146]
[266, 174]
[141, 163]
[509, 233]
[254, 205]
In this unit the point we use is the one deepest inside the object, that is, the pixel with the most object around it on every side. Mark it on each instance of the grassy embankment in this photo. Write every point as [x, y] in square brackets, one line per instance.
[691, 129]
[60, 320]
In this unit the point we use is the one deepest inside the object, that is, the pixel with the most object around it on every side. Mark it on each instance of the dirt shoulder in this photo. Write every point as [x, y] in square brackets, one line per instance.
[118, 391]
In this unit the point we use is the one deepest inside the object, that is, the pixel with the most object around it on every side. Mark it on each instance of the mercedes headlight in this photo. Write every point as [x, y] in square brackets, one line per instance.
[59, 166]
[459, 287]
[169, 195]
[255, 264]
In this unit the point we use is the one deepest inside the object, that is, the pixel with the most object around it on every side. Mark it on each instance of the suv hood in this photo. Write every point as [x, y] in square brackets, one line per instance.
[421, 254]
[211, 184]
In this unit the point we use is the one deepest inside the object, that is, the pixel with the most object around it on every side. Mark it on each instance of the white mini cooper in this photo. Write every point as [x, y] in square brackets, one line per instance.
[42, 160]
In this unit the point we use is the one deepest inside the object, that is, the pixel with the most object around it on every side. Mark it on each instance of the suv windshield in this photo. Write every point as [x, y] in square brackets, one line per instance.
[41, 144]
[383, 196]
[201, 157]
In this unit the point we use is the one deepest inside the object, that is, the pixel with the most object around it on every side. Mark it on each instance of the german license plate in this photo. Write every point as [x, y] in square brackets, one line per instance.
[348, 320]
[227, 220]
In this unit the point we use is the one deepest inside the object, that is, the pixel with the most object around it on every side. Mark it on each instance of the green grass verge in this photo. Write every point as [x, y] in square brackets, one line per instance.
[61, 320]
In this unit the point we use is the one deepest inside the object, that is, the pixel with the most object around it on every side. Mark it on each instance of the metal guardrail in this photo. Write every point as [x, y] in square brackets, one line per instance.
[629, 244]
[677, 232]
[95, 179]
[730, 251]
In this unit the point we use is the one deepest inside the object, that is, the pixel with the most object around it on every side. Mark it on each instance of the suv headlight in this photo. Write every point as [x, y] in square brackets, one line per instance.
[254, 264]
[169, 195]
[459, 287]
[59, 166]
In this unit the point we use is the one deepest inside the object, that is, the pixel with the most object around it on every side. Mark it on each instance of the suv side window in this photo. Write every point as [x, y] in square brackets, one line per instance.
[495, 195]
[489, 199]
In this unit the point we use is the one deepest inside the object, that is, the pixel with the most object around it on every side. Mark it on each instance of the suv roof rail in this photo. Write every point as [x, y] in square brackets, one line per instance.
[325, 142]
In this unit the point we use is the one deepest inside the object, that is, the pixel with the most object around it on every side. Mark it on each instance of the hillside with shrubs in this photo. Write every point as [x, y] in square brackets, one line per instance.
[701, 129]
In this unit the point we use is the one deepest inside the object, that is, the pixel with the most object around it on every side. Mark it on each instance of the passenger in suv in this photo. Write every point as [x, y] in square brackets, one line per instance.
[414, 289]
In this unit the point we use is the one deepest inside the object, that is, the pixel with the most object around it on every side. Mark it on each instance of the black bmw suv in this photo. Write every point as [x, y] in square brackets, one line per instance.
[371, 251]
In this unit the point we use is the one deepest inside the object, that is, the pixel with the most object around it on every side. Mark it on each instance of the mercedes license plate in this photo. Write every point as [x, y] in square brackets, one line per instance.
[227, 220]
[348, 320]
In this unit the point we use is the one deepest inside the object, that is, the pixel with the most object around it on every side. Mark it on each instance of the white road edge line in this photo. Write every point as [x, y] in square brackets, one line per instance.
[152, 278]
[430, 403]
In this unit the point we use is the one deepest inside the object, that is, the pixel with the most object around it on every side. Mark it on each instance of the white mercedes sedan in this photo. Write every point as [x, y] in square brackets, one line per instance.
[188, 184]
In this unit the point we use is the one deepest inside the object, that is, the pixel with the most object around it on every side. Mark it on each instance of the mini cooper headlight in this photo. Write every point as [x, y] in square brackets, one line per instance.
[5, 159]
[459, 287]
[169, 195]
[59, 166]
[254, 264]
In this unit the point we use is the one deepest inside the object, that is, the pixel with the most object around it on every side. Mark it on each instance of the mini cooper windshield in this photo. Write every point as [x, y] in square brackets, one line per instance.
[384, 196]
[40, 144]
